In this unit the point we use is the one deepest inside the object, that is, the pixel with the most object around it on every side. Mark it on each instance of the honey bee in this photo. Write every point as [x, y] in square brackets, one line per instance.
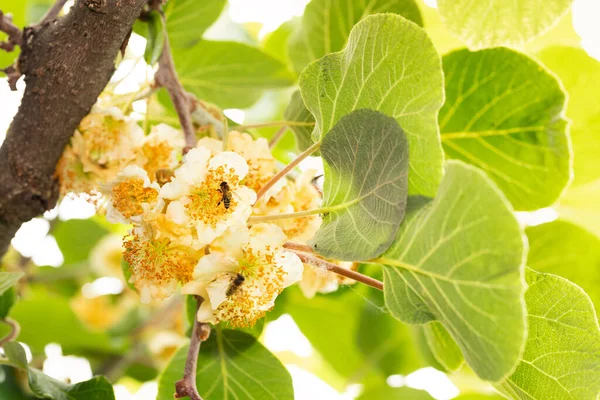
[164, 175]
[235, 284]
[227, 195]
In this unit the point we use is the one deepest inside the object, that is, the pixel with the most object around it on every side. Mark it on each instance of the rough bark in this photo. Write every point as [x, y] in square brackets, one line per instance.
[67, 63]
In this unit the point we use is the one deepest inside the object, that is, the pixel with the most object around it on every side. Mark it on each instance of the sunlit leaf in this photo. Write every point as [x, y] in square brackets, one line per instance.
[391, 66]
[565, 249]
[155, 38]
[188, 19]
[459, 260]
[441, 346]
[229, 74]
[296, 112]
[489, 23]
[504, 114]
[562, 354]
[326, 25]
[77, 237]
[232, 364]
[392, 393]
[580, 75]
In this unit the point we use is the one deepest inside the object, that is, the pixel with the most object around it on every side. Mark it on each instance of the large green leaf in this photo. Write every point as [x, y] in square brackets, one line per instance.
[229, 74]
[326, 25]
[504, 114]
[459, 260]
[77, 237]
[231, 365]
[389, 65]
[489, 23]
[580, 75]
[188, 19]
[297, 113]
[390, 393]
[365, 160]
[562, 355]
[97, 388]
[441, 346]
[567, 250]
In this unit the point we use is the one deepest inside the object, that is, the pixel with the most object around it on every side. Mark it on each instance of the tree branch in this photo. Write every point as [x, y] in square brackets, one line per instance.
[53, 12]
[166, 76]
[186, 387]
[66, 65]
[15, 36]
[309, 257]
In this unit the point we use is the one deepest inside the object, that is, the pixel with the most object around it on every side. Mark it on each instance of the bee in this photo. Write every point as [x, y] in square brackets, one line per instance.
[227, 195]
[164, 175]
[235, 284]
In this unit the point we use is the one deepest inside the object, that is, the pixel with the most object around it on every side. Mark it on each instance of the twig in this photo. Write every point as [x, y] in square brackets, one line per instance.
[312, 259]
[187, 385]
[166, 76]
[13, 76]
[286, 170]
[53, 11]
[278, 135]
[15, 35]
[15, 329]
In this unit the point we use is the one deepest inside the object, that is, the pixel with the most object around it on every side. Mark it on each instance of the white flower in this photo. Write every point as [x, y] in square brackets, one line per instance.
[257, 154]
[198, 192]
[131, 195]
[317, 280]
[265, 269]
[161, 149]
[214, 145]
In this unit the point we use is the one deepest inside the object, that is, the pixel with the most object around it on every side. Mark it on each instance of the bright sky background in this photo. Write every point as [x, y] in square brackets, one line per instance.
[282, 335]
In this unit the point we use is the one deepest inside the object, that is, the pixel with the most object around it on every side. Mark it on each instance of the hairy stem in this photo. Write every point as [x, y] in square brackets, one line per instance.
[166, 76]
[186, 387]
[286, 170]
[278, 135]
[312, 259]
[15, 329]
[298, 214]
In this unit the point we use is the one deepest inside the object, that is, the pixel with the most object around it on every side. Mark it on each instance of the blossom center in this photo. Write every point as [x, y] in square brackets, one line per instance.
[129, 195]
[214, 199]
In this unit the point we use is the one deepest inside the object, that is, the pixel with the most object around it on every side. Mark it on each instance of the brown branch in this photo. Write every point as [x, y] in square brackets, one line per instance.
[15, 329]
[186, 387]
[66, 65]
[53, 12]
[15, 35]
[312, 259]
[166, 76]
[277, 136]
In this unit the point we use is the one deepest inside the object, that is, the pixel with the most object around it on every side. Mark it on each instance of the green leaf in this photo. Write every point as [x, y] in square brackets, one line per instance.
[7, 299]
[390, 393]
[365, 160]
[275, 44]
[442, 347]
[232, 364]
[580, 75]
[504, 114]
[97, 388]
[77, 237]
[489, 23]
[479, 396]
[562, 354]
[8, 280]
[187, 20]
[565, 249]
[326, 25]
[297, 112]
[15, 353]
[155, 38]
[459, 260]
[228, 74]
[391, 66]
[60, 325]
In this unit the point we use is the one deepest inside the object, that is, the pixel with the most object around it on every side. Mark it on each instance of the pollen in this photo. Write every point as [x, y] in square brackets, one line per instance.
[129, 195]
[206, 202]
[102, 133]
[158, 156]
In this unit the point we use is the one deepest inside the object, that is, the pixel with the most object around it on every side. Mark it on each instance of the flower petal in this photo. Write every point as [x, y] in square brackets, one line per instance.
[230, 160]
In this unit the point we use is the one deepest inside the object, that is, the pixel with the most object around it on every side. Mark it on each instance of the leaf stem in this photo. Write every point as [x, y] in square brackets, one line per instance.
[277, 137]
[286, 170]
[273, 123]
[166, 76]
[186, 387]
[15, 329]
[312, 259]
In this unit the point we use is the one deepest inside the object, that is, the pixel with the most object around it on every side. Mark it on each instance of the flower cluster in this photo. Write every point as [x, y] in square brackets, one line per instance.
[190, 214]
